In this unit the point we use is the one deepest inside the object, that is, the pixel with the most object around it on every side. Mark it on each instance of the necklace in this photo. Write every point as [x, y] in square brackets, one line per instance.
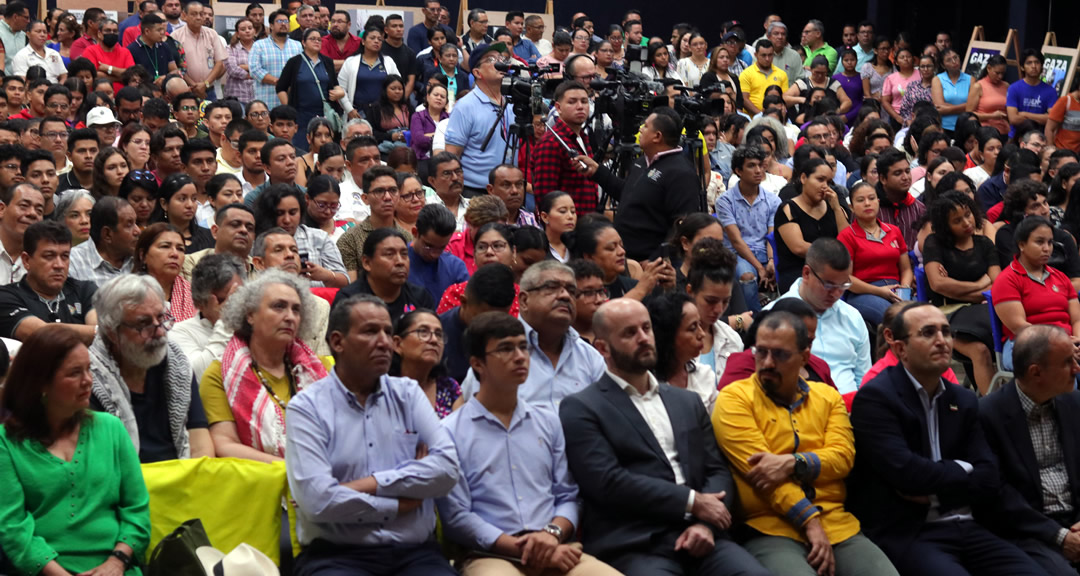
[269, 390]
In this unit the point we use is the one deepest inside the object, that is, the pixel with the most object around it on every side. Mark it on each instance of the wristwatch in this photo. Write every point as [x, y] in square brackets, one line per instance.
[555, 531]
[800, 467]
[123, 558]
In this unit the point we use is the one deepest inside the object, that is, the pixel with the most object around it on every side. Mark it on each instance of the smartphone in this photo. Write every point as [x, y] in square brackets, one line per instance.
[303, 259]
[665, 252]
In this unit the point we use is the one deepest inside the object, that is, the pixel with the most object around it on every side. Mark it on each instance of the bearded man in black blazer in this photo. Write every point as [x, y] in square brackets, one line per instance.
[656, 488]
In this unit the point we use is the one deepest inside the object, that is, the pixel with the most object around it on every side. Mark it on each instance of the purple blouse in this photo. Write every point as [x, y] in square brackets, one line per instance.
[853, 88]
[422, 124]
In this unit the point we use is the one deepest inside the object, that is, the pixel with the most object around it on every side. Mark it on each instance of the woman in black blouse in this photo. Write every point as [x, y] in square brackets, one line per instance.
[815, 213]
[960, 265]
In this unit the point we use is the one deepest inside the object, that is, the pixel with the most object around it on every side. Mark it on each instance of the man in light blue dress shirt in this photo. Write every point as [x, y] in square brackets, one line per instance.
[548, 306]
[842, 338]
[366, 456]
[515, 508]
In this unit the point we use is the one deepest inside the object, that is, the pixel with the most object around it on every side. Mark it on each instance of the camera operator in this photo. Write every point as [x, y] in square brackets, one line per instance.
[553, 168]
[661, 186]
[475, 114]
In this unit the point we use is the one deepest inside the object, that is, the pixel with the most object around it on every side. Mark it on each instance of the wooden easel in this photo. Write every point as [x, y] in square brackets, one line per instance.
[1050, 49]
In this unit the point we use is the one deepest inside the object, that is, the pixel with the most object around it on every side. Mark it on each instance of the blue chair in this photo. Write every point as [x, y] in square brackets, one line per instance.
[1001, 376]
[913, 257]
[922, 286]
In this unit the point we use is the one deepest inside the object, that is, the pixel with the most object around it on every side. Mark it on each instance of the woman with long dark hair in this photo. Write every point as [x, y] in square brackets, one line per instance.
[815, 213]
[176, 205]
[679, 336]
[159, 253]
[390, 116]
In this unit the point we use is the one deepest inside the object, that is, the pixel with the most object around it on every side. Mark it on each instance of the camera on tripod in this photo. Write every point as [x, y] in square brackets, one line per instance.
[628, 101]
[696, 106]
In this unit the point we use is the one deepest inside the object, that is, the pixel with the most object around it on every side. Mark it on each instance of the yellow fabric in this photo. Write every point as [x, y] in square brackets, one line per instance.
[753, 82]
[238, 501]
[293, 24]
[216, 401]
[746, 422]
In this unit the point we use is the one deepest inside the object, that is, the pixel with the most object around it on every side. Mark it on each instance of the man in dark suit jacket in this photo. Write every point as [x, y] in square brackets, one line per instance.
[657, 491]
[922, 464]
[1033, 426]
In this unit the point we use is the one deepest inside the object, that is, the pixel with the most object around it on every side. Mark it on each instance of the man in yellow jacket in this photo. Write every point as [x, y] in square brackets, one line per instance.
[790, 446]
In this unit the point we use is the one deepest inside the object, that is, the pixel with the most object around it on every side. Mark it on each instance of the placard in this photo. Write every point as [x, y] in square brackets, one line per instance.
[978, 56]
[1059, 67]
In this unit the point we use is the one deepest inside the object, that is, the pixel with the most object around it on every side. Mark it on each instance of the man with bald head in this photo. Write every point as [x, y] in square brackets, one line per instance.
[1032, 425]
[922, 464]
[656, 489]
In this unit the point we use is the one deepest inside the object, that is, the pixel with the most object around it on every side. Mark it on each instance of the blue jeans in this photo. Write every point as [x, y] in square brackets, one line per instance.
[750, 287]
[1006, 356]
[870, 306]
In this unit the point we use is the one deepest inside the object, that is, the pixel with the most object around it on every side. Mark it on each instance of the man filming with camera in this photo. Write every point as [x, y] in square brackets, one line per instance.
[553, 166]
[661, 186]
[475, 115]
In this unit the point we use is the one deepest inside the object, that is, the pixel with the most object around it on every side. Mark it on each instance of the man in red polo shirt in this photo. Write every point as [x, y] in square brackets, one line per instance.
[898, 206]
[339, 44]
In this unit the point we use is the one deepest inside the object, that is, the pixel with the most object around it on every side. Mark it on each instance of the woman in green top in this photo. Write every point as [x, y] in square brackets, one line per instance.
[86, 508]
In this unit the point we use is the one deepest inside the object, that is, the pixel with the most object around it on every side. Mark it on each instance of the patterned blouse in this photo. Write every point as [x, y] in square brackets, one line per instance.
[447, 391]
[916, 92]
[452, 298]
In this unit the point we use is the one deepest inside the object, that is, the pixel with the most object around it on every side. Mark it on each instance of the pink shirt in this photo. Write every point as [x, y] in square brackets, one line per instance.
[896, 86]
[203, 50]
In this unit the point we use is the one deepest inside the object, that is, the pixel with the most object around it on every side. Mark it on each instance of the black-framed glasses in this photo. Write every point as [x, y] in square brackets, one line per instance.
[450, 173]
[600, 293]
[553, 288]
[148, 327]
[391, 191]
[411, 195]
[55, 135]
[779, 354]
[829, 285]
[499, 246]
[425, 334]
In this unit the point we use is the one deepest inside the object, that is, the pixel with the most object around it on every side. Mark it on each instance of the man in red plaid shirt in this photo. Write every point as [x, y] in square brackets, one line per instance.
[553, 168]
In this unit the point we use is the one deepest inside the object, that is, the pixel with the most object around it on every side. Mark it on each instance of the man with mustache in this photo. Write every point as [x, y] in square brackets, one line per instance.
[366, 456]
[779, 469]
[46, 295]
[380, 197]
[657, 492]
[923, 466]
[561, 363]
[842, 340]
[20, 206]
[142, 378]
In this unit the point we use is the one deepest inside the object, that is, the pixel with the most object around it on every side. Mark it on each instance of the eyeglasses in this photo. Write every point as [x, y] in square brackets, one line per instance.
[280, 21]
[412, 196]
[553, 288]
[504, 351]
[599, 293]
[11, 166]
[449, 173]
[326, 205]
[58, 106]
[499, 246]
[262, 114]
[148, 327]
[189, 108]
[426, 334]
[829, 285]
[55, 135]
[779, 355]
[391, 191]
[930, 332]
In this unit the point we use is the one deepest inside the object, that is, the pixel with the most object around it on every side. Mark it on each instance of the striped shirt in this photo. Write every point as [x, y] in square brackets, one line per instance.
[88, 265]
[238, 82]
[1045, 440]
[903, 215]
[269, 58]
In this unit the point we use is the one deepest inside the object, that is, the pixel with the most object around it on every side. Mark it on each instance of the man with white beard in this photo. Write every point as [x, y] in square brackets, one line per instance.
[141, 377]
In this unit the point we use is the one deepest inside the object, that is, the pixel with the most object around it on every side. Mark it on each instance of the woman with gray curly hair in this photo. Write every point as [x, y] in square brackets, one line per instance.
[264, 365]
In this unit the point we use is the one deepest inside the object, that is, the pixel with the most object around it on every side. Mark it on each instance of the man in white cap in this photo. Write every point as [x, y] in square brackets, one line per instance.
[102, 121]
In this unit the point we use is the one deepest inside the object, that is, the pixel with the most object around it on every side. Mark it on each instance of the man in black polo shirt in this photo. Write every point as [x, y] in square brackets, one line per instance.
[82, 148]
[46, 294]
[149, 49]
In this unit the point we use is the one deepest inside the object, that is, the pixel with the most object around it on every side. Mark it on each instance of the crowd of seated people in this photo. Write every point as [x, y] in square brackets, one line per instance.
[303, 249]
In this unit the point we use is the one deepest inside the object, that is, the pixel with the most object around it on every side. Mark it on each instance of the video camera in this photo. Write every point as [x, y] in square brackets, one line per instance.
[696, 105]
[526, 88]
[628, 101]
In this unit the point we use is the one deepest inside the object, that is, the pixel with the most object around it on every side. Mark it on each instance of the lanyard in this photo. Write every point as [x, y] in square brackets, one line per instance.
[151, 53]
[269, 390]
